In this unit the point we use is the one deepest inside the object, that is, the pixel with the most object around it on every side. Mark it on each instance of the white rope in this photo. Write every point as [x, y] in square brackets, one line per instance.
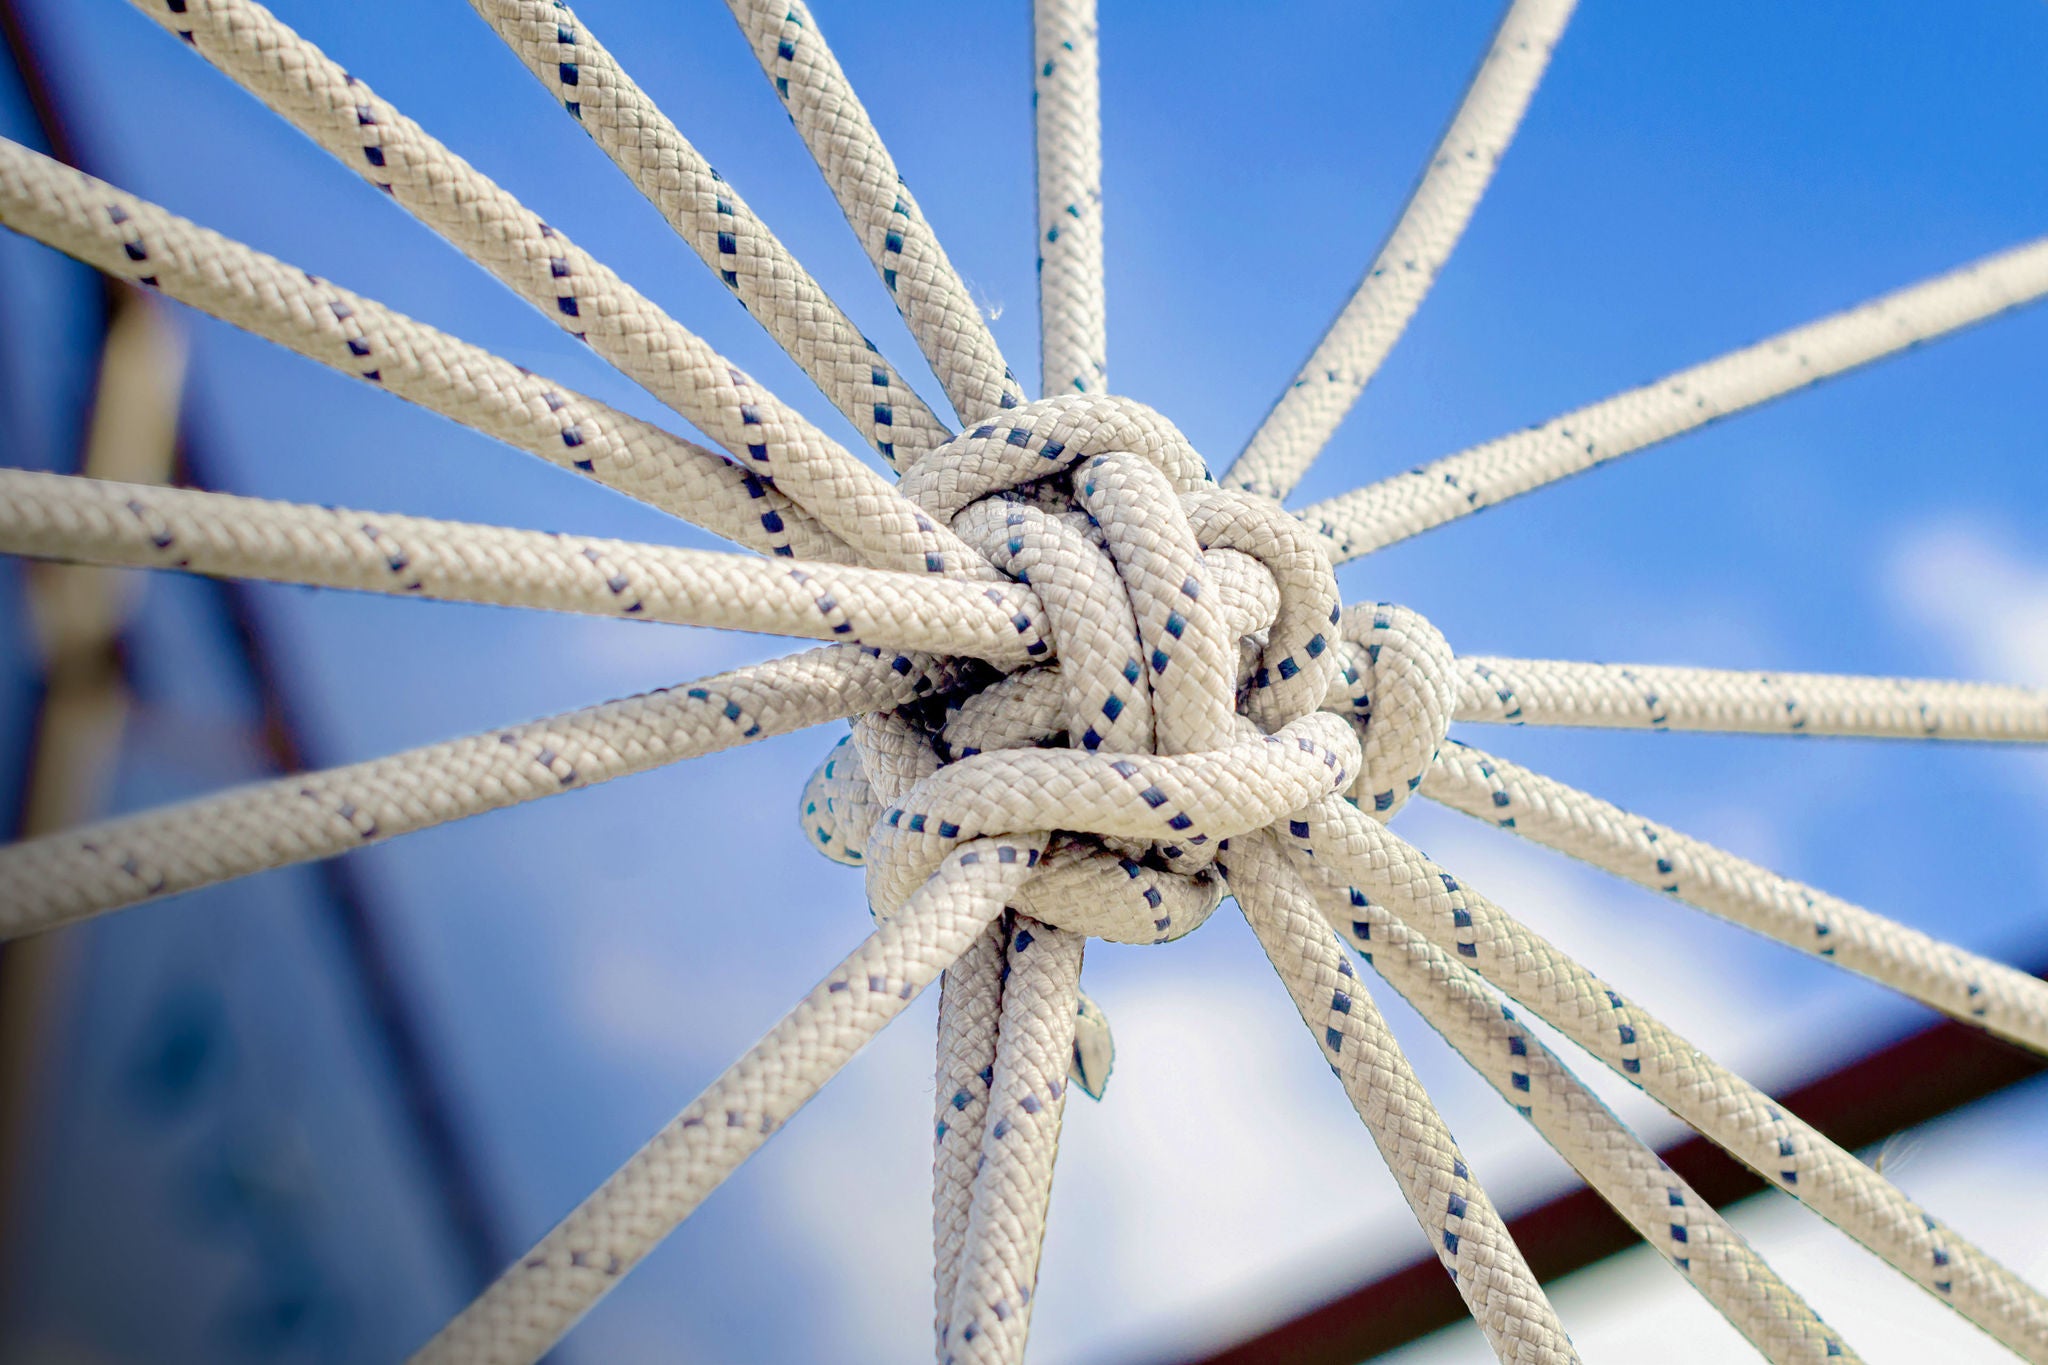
[1067, 108]
[1977, 991]
[970, 1002]
[708, 213]
[132, 239]
[542, 1295]
[582, 296]
[97, 521]
[69, 875]
[1464, 1229]
[1407, 504]
[1786, 1151]
[940, 312]
[1666, 1212]
[1654, 697]
[1344, 361]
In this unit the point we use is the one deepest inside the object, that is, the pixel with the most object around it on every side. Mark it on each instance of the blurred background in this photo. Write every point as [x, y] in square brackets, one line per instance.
[301, 1118]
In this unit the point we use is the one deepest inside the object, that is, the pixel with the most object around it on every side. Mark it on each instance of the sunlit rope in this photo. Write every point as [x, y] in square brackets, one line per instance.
[1135, 689]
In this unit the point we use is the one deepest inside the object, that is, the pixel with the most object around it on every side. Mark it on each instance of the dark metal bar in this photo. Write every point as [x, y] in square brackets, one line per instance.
[1918, 1078]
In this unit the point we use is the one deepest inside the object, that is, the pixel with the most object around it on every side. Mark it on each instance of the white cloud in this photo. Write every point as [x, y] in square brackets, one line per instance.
[1986, 601]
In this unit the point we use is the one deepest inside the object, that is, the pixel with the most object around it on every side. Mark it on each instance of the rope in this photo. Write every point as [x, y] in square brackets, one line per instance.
[705, 211]
[842, 139]
[69, 875]
[1777, 1145]
[1408, 504]
[1344, 361]
[1646, 696]
[543, 1294]
[1666, 1212]
[1464, 1229]
[132, 239]
[1067, 109]
[582, 296]
[97, 521]
[2009, 1003]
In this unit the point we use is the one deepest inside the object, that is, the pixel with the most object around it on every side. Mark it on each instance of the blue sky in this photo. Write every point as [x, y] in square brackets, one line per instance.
[1688, 179]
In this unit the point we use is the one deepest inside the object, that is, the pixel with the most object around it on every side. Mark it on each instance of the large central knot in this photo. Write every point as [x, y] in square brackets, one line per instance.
[1194, 639]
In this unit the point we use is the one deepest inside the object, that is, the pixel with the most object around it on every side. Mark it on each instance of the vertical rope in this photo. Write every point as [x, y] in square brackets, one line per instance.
[1067, 99]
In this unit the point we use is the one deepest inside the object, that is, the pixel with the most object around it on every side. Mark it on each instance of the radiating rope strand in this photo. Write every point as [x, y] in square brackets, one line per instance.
[584, 297]
[95, 521]
[1666, 1212]
[996, 1278]
[970, 1007]
[1463, 1228]
[705, 211]
[521, 1316]
[1345, 360]
[1974, 989]
[1785, 1150]
[1407, 504]
[132, 239]
[67, 876]
[1655, 697]
[1067, 108]
[934, 301]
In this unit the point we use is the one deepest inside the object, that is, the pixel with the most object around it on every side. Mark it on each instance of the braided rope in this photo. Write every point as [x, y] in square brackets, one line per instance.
[1465, 1231]
[708, 213]
[579, 294]
[1408, 504]
[1329, 383]
[1666, 1212]
[66, 876]
[101, 522]
[1786, 1151]
[1977, 991]
[1650, 696]
[1067, 110]
[543, 1294]
[842, 139]
[132, 239]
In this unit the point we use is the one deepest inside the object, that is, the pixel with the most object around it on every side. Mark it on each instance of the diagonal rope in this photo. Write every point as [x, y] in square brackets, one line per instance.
[1464, 1229]
[705, 211]
[582, 296]
[1779, 1146]
[1067, 109]
[1655, 697]
[934, 301]
[1664, 1211]
[1310, 410]
[996, 1275]
[1405, 505]
[132, 239]
[542, 1295]
[69, 875]
[96, 521]
[1976, 990]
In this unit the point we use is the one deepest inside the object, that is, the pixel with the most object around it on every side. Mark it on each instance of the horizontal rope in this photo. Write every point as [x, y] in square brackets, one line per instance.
[1974, 989]
[132, 239]
[1665, 1212]
[529, 1308]
[569, 286]
[1326, 388]
[67, 876]
[1405, 505]
[95, 521]
[934, 301]
[1788, 1152]
[1654, 697]
[705, 211]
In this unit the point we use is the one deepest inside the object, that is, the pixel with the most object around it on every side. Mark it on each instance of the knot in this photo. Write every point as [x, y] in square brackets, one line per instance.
[1194, 639]
[1399, 689]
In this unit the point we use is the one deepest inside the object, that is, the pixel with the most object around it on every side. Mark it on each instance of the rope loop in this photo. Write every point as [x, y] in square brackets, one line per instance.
[1400, 689]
